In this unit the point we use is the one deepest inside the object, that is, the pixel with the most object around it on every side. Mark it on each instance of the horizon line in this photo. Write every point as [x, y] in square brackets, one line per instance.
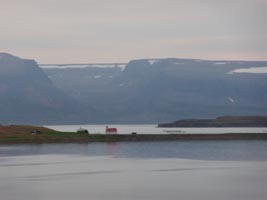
[123, 63]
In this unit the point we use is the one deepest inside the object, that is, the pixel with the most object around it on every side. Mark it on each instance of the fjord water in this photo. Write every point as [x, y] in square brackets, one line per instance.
[185, 170]
[153, 129]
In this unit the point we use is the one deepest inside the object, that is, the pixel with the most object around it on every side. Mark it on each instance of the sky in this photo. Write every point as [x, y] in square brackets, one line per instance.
[92, 31]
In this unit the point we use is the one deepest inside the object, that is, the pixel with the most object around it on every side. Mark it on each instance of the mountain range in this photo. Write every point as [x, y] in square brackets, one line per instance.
[141, 91]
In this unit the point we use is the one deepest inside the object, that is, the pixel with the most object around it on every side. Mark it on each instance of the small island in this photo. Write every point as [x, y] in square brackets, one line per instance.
[225, 121]
[15, 134]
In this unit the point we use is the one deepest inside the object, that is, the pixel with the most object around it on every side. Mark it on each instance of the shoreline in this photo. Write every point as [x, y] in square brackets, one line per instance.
[72, 137]
[17, 134]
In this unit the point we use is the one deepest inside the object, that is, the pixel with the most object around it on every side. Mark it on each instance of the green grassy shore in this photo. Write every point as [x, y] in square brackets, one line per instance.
[22, 134]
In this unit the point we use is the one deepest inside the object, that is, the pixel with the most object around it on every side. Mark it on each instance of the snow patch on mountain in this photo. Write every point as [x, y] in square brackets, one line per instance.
[219, 63]
[152, 61]
[64, 66]
[253, 70]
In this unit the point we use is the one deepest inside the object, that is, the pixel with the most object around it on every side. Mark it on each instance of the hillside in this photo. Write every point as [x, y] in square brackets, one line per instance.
[162, 90]
[15, 129]
[143, 91]
[28, 96]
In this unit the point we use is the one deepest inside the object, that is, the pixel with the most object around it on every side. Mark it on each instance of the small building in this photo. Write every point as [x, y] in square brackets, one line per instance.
[35, 132]
[111, 130]
[82, 130]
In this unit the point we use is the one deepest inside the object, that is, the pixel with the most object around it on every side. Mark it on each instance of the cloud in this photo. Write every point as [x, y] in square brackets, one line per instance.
[124, 29]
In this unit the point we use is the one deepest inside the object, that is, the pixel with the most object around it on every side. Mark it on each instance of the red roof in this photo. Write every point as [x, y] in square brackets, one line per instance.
[111, 129]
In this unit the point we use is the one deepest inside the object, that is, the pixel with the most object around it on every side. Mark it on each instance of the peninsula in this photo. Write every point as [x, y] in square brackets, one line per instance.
[225, 121]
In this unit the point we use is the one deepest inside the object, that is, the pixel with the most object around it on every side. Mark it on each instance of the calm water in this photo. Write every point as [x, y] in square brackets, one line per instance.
[187, 170]
[153, 129]
[199, 150]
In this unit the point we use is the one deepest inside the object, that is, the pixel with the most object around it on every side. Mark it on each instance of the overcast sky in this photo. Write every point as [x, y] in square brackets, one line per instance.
[84, 31]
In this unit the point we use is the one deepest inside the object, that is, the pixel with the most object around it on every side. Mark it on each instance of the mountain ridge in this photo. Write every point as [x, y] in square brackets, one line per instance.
[145, 91]
[152, 91]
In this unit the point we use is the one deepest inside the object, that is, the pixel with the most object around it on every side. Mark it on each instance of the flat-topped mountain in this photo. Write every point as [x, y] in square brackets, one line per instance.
[27, 95]
[162, 90]
[143, 91]
[226, 121]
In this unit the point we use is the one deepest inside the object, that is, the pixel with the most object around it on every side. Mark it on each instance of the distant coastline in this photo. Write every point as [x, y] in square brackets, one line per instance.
[225, 121]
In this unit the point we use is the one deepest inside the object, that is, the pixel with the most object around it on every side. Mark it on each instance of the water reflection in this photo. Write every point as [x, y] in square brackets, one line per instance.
[153, 129]
[111, 148]
[201, 150]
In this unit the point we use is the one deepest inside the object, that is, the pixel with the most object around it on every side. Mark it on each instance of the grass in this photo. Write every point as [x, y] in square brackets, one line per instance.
[64, 134]
[22, 134]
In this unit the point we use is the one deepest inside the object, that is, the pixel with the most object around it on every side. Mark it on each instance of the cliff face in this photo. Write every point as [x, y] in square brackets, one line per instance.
[162, 90]
[27, 95]
[146, 91]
